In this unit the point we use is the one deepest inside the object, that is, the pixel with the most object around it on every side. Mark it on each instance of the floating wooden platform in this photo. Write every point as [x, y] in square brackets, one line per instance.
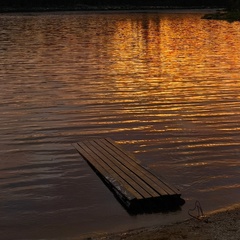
[135, 185]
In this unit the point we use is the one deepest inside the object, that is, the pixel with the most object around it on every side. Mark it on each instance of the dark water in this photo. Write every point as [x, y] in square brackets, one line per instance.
[164, 86]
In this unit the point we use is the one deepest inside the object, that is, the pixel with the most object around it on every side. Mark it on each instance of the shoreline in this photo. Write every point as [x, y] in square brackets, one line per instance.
[108, 9]
[230, 16]
[222, 224]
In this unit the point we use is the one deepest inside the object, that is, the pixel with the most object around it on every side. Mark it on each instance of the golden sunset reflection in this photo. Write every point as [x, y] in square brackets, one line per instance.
[175, 60]
[174, 49]
[164, 86]
[219, 188]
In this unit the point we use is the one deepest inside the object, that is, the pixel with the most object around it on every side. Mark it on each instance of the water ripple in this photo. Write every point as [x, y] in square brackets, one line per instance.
[165, 86]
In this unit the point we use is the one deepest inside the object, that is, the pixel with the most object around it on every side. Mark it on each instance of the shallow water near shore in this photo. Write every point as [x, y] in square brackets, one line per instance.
[165, 86]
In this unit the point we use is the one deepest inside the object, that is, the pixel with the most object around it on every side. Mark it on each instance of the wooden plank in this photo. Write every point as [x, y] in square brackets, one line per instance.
[95, 159]
[115, 166]
[130, 193]
[154, 177]
[132, 182]
[131, 175]
[118, 158]
[143, 174]
[163, 187]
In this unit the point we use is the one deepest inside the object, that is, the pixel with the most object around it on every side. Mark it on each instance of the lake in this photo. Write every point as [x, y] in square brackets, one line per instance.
[165, 86]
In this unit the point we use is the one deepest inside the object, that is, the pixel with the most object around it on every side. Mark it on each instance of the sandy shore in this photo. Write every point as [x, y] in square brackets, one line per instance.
[219, 225]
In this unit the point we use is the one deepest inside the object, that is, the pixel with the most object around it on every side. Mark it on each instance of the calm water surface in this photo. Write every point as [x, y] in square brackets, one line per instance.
[164, 86]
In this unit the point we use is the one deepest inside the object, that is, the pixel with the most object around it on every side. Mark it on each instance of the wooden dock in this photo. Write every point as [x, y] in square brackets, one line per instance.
[135, 185]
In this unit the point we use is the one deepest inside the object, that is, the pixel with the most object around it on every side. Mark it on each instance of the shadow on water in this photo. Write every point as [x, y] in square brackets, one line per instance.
[162, 204]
